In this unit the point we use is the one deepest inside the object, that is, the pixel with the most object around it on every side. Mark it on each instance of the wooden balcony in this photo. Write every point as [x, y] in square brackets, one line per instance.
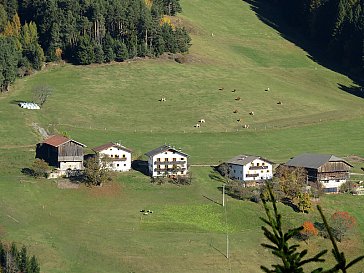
[169, 162]
[252, 175]
[258, 168]
[70, 158]
[169, 169]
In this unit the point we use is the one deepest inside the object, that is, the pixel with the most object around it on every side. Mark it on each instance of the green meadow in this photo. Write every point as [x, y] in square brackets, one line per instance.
[101, 229]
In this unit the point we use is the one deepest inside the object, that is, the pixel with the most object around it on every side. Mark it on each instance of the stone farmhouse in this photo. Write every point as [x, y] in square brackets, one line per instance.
[118, 156]
[167, 161]
[63, 153]
[250, 168]
[329, 170]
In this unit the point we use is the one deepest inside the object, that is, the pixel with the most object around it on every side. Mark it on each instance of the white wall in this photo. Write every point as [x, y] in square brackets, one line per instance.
[117, 165]
[73, 165]
[241, 172]
[333, 183]
[167, 156]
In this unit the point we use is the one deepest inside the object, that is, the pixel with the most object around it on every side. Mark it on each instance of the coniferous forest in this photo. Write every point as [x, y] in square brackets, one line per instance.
[335, 26]
[84, 32]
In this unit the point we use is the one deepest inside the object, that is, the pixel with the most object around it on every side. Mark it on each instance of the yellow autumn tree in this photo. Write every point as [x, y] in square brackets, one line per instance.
[166, 20]
[149, 3]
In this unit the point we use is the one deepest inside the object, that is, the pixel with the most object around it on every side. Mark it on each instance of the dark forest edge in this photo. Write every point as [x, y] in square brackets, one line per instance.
[84, 32]
[334, 29]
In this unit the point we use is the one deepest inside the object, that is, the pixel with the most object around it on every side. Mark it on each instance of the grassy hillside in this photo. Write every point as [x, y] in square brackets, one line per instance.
[101, 230]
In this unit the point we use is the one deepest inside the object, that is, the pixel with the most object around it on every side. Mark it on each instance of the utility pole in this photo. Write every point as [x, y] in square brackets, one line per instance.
[223, 195]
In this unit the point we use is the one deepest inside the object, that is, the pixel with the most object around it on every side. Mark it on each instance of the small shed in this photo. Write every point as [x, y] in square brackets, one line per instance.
[61, 152]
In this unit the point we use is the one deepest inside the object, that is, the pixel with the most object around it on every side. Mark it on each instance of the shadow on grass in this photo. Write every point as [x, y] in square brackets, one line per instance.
[353, 90]
[27, 171]
[140, 166]
[271, 16]
[213, 201]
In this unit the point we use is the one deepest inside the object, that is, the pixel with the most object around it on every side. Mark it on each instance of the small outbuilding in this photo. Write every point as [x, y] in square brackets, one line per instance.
[250, 168]
[63, 153]
[118, 156]
[329, 170]
[167, 161]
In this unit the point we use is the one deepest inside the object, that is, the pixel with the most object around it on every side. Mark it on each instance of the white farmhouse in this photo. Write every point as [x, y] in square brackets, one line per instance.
[167, 161]
[118, 156]
[250, 168]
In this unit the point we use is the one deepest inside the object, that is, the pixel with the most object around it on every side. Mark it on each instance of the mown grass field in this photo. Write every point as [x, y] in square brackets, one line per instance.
[101, 230]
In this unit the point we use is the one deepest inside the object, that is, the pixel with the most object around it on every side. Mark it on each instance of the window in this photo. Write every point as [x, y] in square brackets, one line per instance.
[110, 149]
[123, 155]
[117, 165]
[267, 171]
[158, 166]
[158, 172]
[174, 159]
[158, 159]
[257, 164]
[116, 156]
[263, 164]
[261, 171]
[124, 165]
[182, 158]
[166, 159]
[165, 152]
[234, 171]
[111, 155]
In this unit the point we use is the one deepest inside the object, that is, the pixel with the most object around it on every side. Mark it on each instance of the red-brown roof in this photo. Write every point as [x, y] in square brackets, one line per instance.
[57, 140]
[109, 145]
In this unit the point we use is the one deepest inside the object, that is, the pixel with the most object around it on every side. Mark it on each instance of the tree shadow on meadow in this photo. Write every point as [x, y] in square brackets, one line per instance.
[357, 91]
[271, 16]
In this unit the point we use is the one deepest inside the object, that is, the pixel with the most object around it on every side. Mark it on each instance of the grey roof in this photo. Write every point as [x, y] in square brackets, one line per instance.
[162, 149]
[245, 159]
[313, 161]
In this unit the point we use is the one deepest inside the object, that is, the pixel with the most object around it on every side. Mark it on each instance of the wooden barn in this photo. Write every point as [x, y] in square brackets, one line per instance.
[62, 153]
[330, 170]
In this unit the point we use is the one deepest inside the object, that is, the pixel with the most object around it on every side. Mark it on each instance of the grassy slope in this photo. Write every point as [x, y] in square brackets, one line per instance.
[89, 231]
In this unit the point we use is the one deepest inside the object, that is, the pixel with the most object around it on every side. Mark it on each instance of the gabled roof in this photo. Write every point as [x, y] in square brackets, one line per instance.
[162, 149]
[109, 145]
[313, 161]
[245, 159]
[57, 140]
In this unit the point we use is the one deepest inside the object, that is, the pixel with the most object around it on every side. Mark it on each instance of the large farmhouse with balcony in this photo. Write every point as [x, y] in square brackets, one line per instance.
[167, 161]
[118, 157]
[63, 153]
[249, 168]
[329, 170]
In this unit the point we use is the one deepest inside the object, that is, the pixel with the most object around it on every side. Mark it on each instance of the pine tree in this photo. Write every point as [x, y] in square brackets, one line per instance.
[3, 18]
[23, 260]
[121, 51]
[84, 51]
[99, 53]
[33, 266]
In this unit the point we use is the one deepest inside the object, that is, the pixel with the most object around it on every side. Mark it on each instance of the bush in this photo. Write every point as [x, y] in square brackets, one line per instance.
[238, 190]
[40, 168]
[308, 231]
[341, 222]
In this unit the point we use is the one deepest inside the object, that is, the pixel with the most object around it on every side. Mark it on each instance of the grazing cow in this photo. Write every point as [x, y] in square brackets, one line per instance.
[246, 126]
[279, 102]
[239, 120]
[221, 88]
[251, 113]
[197, 125]
[237, 98]
[233, 90]
[235, 111]
[267, 89]
[201, 121]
